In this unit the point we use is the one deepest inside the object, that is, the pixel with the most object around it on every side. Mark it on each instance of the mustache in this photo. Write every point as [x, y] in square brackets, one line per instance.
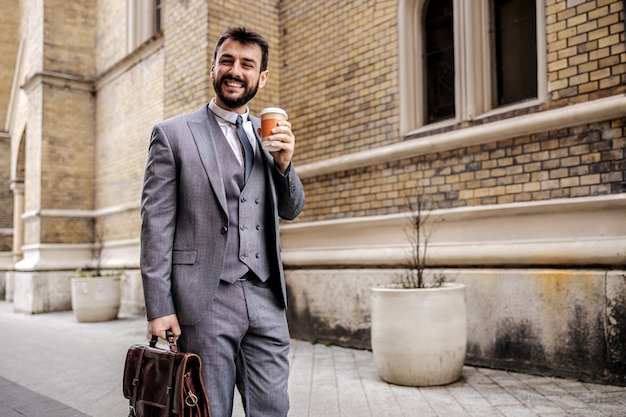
[230, 77]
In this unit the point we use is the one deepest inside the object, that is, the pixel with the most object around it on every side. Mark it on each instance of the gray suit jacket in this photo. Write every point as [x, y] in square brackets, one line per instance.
[185, 217]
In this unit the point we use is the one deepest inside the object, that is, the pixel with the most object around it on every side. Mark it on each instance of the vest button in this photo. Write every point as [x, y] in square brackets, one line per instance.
[223, 230]
[257, 255]
[256, 201]
[258, 227]
[244, 199]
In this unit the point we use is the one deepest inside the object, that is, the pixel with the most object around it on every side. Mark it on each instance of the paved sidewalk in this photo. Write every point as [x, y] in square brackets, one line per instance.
[52, 366]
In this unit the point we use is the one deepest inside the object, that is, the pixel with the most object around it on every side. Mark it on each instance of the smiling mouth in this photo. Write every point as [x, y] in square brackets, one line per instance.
[233, 83]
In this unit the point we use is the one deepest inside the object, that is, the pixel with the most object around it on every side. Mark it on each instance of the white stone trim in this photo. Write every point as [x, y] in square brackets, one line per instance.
[106, 211]
[567, 232]
[120, 254]
[578, 114]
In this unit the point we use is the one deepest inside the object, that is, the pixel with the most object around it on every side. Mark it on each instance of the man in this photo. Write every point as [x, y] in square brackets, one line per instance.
[210, 251]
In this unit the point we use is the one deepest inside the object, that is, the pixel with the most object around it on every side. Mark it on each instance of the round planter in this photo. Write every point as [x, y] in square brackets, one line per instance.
[96, 298]
[419, 336]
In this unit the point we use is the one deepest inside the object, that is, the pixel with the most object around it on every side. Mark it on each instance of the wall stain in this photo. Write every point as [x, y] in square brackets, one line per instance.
[615, 371]
[564, 337]
[304, 325]
[516, 341]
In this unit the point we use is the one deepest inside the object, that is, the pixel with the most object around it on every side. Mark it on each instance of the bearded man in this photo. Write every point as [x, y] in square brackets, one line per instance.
[210, 251]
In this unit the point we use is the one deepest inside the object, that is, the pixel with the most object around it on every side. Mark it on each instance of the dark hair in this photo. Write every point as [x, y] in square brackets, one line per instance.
[244, 36]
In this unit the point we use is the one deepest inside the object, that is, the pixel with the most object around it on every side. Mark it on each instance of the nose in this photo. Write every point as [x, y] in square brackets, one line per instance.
[236, 69]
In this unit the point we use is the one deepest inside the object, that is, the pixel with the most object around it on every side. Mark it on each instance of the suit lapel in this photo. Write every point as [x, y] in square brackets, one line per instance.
[204, 130]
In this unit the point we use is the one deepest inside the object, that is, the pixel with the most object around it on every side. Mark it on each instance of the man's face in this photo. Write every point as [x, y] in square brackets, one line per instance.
[236, 74]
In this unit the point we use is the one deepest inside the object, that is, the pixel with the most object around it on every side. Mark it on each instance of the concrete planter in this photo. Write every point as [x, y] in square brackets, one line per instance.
[96, 298]
[419, 336]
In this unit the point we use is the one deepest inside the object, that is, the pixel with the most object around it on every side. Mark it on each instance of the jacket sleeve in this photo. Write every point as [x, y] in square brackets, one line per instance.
[158, 219]
[289, 193]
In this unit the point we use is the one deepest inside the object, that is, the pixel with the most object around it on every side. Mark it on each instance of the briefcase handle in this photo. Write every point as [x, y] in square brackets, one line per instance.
[170, 341]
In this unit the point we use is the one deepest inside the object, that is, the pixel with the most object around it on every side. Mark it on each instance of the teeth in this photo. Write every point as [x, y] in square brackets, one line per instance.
[233, 84]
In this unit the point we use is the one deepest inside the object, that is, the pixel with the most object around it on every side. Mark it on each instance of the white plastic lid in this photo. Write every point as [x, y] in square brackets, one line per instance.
[273, 110]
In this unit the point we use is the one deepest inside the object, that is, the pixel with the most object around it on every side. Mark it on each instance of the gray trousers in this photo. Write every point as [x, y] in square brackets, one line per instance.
[243, 341]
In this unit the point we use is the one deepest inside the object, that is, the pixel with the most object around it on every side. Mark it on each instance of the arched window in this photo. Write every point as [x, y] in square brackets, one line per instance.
[461, 60]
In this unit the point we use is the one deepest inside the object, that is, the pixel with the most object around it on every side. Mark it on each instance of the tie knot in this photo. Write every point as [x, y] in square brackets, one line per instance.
[239, 121]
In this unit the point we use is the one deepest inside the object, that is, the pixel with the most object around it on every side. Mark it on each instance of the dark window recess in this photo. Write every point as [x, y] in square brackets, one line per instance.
[158, 16]
[439, 60]
[514, 41]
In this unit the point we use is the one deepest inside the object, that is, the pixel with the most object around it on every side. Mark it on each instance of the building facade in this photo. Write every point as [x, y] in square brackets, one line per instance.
[507, 114]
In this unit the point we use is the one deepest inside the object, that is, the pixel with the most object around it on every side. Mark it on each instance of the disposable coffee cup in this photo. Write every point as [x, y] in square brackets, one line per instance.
[269, 120]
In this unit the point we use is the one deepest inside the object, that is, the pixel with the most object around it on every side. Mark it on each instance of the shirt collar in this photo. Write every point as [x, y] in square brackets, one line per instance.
[227, 115]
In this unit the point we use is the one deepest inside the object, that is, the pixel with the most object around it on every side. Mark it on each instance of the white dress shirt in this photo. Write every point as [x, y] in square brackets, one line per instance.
[226, 119]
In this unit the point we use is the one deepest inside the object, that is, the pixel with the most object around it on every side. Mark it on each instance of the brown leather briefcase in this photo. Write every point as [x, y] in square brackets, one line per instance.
[162, 383]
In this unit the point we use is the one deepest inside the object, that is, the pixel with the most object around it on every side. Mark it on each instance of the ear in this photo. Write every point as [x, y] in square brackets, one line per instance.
[263, 78]
[212, 68]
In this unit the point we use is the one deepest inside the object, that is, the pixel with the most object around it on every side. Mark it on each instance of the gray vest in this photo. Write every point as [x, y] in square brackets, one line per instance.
[246, 247]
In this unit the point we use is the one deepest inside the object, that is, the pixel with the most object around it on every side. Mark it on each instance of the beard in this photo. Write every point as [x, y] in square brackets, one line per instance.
[243, 99]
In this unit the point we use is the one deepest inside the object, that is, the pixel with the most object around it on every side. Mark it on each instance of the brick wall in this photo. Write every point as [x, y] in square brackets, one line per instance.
[60, 128]
[9, 41]
[339, 75]
[111, 26]
[126, 109]
[69, 39]
[585, 50]
[342, 89]
[578, 162]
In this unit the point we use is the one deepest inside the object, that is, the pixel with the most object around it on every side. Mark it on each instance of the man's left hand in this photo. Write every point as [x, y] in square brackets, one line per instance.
[282, 137]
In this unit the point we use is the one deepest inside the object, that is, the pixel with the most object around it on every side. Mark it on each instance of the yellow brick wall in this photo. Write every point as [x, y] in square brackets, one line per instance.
[340, 84]
[187, 83]
[339, 75]
[9, 41]
[111, 28]
[67, 155]
[334, 68]
[578, 162]
[126, 109]
[60, 127]
[69, 40]
[585, 50]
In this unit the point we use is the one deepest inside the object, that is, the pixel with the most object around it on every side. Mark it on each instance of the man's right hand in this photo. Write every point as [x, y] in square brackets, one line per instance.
[158, 326]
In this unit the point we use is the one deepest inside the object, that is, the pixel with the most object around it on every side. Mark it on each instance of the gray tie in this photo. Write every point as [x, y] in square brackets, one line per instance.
[248, 152]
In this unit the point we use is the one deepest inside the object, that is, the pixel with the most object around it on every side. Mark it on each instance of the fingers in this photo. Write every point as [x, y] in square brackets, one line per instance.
[160, 325]
[282, 137]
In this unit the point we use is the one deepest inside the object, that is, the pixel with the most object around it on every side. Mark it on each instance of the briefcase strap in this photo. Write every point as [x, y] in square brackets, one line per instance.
[132, 409]
[170, 341]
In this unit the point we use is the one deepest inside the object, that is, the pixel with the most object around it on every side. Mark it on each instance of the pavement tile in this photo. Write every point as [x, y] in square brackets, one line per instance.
[60, 368]
[17, 401]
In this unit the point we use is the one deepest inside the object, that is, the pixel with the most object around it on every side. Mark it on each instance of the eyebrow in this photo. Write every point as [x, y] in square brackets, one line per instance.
[245, 59]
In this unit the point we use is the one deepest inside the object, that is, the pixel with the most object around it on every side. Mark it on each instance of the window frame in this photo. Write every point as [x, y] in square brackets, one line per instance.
[473, 64]
[143, 18]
